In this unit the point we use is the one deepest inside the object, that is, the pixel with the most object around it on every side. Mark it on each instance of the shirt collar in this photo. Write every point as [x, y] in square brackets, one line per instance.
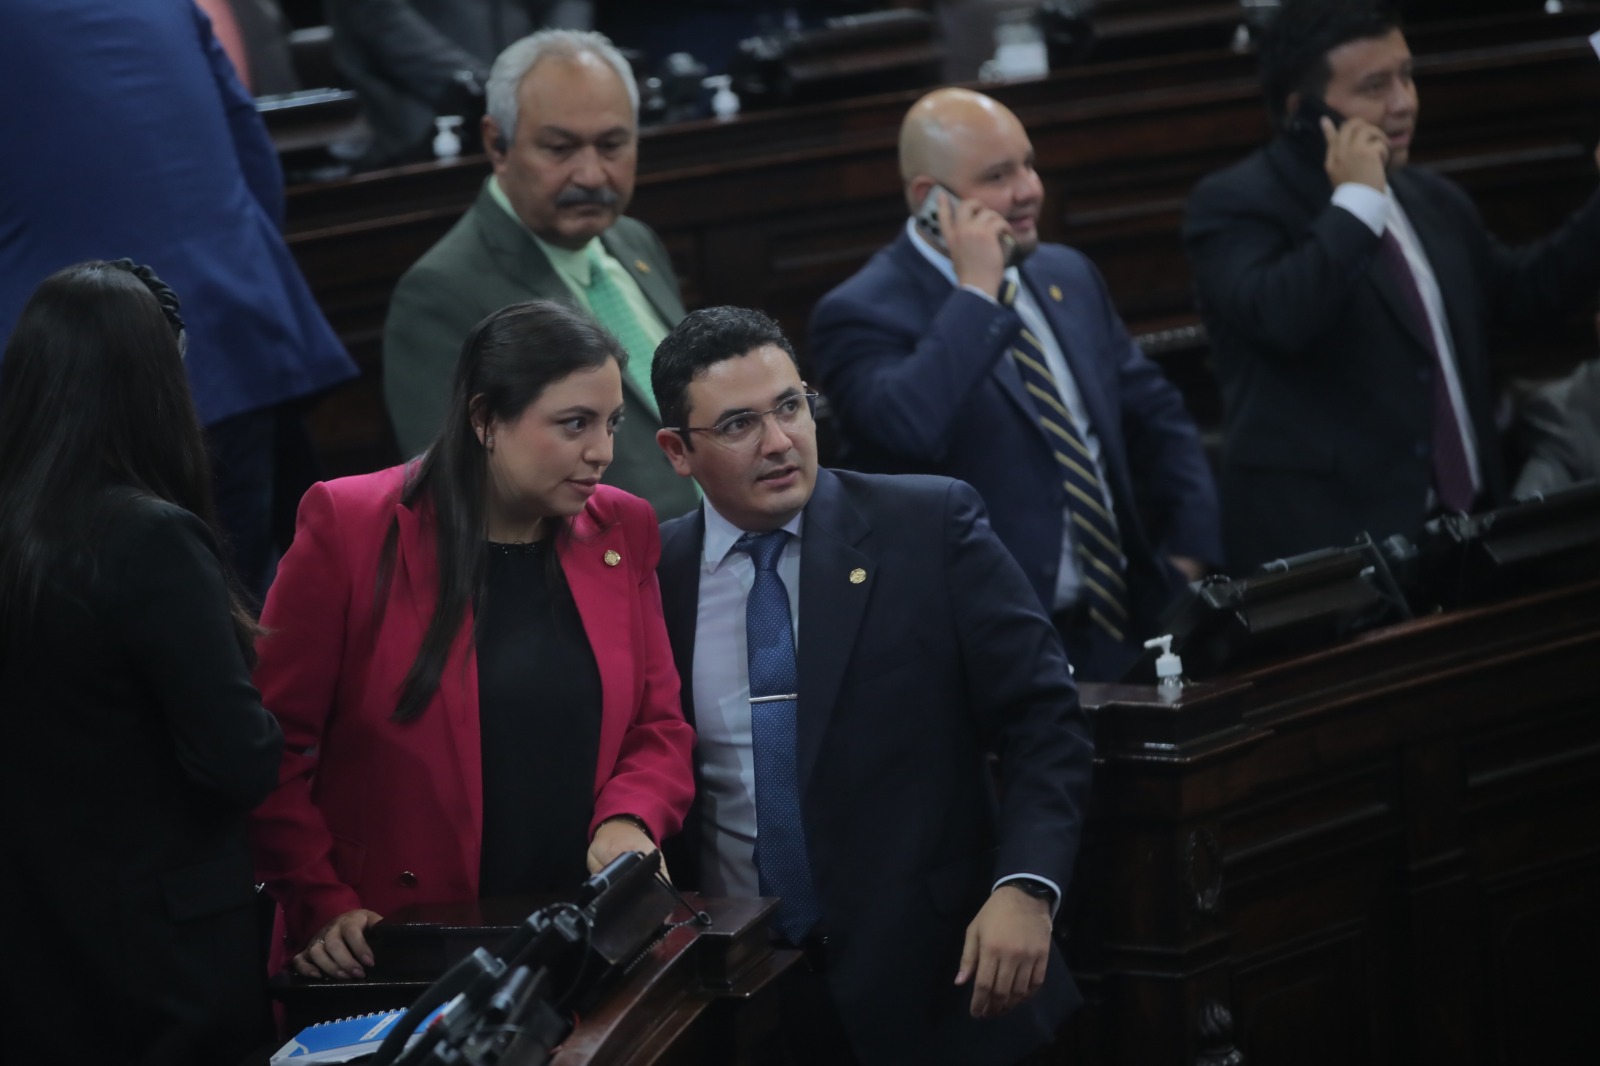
[573, 265]
[721, 535]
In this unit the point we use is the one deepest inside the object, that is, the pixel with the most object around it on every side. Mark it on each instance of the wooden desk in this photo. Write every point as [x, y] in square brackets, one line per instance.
[1385, 852]
[701, 994]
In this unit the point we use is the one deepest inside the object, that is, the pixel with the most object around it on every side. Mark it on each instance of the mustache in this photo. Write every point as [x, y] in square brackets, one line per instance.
[578, 196]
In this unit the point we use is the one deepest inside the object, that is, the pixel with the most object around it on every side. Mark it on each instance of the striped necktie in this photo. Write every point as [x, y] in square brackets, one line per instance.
[1095, 539]
[610, 307]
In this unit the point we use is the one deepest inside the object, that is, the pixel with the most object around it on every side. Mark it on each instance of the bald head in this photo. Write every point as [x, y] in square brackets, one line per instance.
[974, 146]
[940, 130]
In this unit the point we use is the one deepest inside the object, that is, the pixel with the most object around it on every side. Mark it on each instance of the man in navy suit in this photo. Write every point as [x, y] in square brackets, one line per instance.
[970, 349]
[130, 135]
[852, 646]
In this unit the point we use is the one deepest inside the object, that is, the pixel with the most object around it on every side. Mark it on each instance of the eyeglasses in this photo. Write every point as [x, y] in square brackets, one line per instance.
[744, 427]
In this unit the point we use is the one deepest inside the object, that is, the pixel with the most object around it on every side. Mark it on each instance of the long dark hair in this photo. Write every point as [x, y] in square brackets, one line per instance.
[93, 394]
[506, 363]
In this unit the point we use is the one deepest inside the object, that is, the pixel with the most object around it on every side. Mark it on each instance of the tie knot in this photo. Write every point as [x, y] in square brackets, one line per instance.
[1008, 292]
[763, 548]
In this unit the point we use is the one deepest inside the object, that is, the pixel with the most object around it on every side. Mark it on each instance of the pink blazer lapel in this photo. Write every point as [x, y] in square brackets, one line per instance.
[601, 577]
[416, 583]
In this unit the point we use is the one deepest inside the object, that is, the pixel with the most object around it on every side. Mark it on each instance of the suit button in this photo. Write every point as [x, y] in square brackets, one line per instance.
[407, 879]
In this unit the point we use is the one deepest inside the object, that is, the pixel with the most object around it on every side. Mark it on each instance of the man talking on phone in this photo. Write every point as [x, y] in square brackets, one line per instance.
[970, 349]
[1350, 298]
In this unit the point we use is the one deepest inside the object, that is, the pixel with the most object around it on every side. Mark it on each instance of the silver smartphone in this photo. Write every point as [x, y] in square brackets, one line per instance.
[927, 217]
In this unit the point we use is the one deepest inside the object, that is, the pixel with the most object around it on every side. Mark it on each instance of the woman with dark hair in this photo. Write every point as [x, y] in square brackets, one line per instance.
[468, 657]
[135, 743]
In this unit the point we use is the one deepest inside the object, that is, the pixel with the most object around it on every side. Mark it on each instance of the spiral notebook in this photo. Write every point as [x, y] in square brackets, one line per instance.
[345, 1040]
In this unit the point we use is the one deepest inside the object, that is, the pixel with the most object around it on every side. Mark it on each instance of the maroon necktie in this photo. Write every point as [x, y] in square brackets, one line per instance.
[1452, 477]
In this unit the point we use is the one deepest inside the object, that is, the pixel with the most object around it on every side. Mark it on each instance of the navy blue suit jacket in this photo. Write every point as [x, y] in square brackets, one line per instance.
[907, 680]
[917, 370]
[131, 136]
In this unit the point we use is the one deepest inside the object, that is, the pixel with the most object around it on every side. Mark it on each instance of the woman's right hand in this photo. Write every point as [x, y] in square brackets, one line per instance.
[340, 948]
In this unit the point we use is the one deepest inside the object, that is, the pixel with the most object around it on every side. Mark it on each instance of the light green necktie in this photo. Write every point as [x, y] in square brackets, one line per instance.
[607, 304]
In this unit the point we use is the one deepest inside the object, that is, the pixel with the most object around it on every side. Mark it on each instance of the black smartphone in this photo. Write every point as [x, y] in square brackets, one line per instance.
[1305, 125]
[927, 217]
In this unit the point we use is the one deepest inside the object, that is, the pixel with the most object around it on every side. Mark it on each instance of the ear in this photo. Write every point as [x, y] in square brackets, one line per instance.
[917, 191]
[1291, 104]
[671, 442]
[492, 141]
[479, 418]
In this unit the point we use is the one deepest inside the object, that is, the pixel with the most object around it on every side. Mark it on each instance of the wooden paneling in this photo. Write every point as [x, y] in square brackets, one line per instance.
[1384, 852]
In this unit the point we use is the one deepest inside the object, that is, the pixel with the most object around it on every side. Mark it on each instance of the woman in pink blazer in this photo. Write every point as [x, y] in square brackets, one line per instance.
[468, 658]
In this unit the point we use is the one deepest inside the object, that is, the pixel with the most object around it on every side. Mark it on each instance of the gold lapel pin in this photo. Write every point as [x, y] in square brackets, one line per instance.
[644, 268]
[857, 576]
[612, 558]
[1055, 293]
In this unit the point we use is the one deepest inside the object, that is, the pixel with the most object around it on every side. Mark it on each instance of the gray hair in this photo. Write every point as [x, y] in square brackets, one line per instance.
[514, 64]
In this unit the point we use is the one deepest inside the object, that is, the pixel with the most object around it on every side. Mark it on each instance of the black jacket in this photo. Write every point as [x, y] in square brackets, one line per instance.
[135, 745]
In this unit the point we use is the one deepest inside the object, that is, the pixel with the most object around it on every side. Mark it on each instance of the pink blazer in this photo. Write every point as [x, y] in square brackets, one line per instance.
[377, 814]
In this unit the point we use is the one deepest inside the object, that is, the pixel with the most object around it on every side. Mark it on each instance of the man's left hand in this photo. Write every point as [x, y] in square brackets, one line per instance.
[1007, 951]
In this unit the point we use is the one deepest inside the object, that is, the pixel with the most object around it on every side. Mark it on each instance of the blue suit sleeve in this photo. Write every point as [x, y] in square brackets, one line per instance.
[903, 389]
[1025, 704]
[258, 159]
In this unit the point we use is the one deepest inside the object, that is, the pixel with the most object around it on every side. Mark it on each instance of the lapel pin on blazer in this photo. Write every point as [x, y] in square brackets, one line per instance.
[644, 268]
[1055, 293]
[857, 576]
[611, 557]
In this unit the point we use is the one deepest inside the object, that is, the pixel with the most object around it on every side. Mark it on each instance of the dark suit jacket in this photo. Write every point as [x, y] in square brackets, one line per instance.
[401, 56]
[135, 746]
[380, 814]
[113, 178]
[906, 680]
[917, 371]
[1326, 378]
[488, 261]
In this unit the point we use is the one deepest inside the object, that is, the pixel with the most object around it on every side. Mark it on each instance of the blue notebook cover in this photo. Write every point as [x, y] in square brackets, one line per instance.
[345, 1039]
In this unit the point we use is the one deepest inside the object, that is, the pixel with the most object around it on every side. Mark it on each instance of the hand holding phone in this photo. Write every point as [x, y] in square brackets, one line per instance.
[977, 240]
[1350, 151]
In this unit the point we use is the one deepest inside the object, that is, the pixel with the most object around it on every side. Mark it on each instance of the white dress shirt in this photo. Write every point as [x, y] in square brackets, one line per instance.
[1068, 578]
[1381, 211]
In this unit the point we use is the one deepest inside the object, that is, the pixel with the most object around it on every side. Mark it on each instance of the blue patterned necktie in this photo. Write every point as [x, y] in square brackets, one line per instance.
[1098, 547]
[780, 854]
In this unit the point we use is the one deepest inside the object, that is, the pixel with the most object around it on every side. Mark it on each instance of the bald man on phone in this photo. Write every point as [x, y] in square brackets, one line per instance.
[971, 349]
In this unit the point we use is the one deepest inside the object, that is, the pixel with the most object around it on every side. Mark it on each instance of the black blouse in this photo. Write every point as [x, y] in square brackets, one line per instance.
[539, 716]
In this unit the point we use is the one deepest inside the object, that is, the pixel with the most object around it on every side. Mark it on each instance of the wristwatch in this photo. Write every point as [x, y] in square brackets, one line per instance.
[1032, 886]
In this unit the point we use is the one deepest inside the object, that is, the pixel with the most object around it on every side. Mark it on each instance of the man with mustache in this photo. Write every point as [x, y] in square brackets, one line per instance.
[1350, 299]
[968, 348]
[562, 132]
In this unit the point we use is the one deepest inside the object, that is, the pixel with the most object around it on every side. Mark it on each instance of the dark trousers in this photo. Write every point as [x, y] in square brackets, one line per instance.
[809, 1031]
[262, 462]
[242, 465]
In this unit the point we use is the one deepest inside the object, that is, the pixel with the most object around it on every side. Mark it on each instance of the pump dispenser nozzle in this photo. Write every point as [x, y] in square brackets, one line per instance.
[1169, 667]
